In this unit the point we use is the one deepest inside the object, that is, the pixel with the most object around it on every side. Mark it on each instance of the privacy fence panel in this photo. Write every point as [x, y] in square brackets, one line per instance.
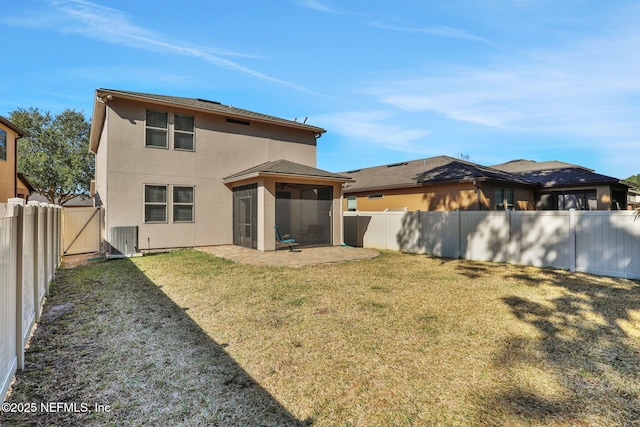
[597, 242]
[484, 236]
[608, 244]
[440, 234]
[375, 235]
[540, 239]
[29, 256]
[29, 270]
[8, 250]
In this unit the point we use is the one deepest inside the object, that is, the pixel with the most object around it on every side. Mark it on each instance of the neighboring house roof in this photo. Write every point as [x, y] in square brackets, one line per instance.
[13, 127]
[522, 165]
[23, 178]
[285, 168]
[197, 104]
[78, 201]
[555, 173]
[434, 170]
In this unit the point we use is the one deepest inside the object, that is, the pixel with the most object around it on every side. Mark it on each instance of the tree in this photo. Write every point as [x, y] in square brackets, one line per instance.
[635, 180]
[55, 153]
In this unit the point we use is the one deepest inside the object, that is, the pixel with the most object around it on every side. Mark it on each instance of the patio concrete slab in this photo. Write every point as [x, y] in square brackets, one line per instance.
[286, 258]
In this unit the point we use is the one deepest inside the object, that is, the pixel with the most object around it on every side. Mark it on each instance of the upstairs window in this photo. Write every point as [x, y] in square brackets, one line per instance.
[155, 203]
[3, 145]
[156, 129]
[183, 132]
[182, 204]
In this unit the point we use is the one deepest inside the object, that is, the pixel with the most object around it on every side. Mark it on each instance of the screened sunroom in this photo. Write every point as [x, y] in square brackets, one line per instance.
[302, 201]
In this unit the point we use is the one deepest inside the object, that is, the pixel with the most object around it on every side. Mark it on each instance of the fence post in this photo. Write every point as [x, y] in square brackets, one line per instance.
[509, 237]
[459, 225]
[572, 240]
[18, 207]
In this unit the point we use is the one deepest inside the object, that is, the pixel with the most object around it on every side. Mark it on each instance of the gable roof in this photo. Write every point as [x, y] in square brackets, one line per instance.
[284, 168]
[554, 173]
[103, 96]
[434, 170]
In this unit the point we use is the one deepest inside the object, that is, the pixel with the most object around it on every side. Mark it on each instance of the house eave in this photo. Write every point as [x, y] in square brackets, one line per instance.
[101, 93]
[97, 123]
[287, 176]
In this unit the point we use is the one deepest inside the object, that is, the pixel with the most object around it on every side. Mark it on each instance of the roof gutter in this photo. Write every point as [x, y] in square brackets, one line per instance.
[97, 120]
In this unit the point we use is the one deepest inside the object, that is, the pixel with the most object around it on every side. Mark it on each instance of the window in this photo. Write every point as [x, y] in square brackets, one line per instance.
[352, 203]
[504, 199]
[183, 132]
[156, 127]
[375, 196]
[3, 145]
[182, 204]
[155, 203]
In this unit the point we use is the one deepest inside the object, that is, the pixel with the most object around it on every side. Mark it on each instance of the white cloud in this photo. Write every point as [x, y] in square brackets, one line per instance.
[316, 5]
[113, 26]
[587, 88]
[373, 127]
[438, 31]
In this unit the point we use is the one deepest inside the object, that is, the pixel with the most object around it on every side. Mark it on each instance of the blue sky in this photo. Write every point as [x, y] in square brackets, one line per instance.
[389, 81]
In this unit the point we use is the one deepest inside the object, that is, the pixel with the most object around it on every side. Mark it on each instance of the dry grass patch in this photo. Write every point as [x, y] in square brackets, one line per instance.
[396, 340]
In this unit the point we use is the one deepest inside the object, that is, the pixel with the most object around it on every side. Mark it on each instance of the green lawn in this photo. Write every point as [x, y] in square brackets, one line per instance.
[187, 338]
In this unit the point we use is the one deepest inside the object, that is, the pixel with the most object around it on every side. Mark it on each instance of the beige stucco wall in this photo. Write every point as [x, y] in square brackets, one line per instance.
[8, 167]
[444, 197]
[125, 165]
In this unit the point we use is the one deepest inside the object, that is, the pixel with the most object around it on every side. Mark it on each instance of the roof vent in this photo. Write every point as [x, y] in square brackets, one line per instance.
[238, 121]
[354, 171]
[393, 165]
[210, 102]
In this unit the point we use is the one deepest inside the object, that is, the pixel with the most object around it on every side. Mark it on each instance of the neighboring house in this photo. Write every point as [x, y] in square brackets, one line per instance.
[445, 184]
[566, 186]
[184, 172]
[24, 188]
[76, 202]
[633, 198]
[9, 135]
[435, 184]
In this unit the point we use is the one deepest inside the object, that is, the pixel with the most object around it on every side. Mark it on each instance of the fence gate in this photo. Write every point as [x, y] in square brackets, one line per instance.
[81, 230]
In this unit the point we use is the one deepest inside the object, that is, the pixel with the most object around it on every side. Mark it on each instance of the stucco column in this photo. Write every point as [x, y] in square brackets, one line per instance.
[266, 215]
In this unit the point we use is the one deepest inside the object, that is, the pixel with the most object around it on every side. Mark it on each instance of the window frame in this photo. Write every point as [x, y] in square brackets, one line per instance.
[192, 204]
[3, 144]
[184, 132]
[352, 203]
[501, 204]
[147, 127]
[153, 203]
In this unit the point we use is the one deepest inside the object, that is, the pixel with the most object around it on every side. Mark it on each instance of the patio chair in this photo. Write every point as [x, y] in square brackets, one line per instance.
[285, 240]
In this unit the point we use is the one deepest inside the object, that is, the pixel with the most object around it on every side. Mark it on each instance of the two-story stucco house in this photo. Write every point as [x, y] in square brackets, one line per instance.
[185, 172]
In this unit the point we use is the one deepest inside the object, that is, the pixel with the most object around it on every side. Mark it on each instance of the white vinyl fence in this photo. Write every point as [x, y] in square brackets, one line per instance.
[30, 253]
[598, 242]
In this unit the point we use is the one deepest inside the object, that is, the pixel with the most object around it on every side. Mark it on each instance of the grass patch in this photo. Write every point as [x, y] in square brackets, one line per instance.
[185, 338]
